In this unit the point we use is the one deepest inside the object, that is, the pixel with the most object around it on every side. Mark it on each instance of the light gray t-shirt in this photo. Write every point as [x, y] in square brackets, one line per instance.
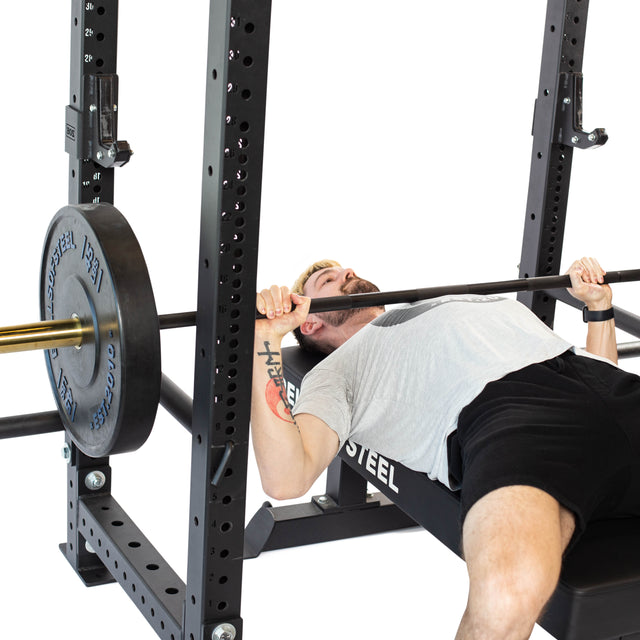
[399, 384]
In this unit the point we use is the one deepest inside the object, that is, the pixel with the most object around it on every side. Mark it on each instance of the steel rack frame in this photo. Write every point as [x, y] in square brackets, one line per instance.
[557, 131]
[103, 543]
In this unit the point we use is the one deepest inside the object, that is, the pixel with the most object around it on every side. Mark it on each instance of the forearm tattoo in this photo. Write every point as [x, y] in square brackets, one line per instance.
[275, 392]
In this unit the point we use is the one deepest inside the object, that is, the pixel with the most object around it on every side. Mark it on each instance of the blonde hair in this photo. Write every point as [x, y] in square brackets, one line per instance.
[298, 287]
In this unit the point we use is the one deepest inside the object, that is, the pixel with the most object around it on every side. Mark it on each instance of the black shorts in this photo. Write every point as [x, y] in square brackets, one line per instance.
[569, 426]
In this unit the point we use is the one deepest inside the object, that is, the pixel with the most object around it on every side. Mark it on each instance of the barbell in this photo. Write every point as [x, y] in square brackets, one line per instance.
[381, 298]
[100, 329]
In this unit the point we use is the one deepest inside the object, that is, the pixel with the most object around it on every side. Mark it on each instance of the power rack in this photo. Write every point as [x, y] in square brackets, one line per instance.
[103, 543]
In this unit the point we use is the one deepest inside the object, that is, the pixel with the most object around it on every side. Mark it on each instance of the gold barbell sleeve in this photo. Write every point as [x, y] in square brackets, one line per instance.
[49, 334]
[53, 334]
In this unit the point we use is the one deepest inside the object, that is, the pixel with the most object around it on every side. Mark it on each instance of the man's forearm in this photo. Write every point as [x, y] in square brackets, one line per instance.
[601, 339]
[276, 437]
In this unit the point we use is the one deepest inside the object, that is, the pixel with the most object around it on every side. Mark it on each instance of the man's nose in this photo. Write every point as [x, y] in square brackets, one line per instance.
[348, 274]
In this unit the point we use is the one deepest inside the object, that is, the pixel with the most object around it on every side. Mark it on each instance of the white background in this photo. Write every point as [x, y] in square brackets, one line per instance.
[398, 141]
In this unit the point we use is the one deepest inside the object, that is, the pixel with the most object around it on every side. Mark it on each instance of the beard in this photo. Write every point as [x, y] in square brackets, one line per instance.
[355, 285]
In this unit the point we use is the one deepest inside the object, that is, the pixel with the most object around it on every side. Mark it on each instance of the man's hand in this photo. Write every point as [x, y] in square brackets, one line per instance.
[276, 304]
[291, 452]
[587, 278]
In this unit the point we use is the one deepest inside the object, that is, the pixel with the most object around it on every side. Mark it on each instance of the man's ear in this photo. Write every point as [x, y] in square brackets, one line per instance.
[311, 325]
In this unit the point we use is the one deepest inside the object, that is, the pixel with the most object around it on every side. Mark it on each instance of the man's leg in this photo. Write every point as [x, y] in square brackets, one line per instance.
[513, 541]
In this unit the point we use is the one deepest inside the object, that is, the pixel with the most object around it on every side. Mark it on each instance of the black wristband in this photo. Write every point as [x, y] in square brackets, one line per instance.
[597, 316]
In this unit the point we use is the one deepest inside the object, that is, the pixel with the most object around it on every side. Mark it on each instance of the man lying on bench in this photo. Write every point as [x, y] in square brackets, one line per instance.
[539, 437]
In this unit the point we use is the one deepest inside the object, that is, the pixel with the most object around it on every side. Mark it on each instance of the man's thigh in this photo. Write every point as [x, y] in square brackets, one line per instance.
[517, 532]
[513, 538]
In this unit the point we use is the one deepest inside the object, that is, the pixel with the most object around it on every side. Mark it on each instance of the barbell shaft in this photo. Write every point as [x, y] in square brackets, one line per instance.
[362, 300]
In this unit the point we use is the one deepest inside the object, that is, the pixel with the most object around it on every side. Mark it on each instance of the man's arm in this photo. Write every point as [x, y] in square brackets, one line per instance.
[587, 280]
[291, 452]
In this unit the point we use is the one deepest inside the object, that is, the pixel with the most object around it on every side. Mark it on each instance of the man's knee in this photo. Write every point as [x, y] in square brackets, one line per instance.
[507, 602]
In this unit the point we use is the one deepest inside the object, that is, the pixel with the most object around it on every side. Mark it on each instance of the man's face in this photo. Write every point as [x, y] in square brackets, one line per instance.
[336, 281]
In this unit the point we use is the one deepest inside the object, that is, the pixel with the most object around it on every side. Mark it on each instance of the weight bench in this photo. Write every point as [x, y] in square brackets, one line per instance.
[599, 590]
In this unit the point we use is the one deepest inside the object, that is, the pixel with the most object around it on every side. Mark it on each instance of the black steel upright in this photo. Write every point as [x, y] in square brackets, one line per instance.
[231, 190]
[93, 49]
[92, 114]
[557, 129]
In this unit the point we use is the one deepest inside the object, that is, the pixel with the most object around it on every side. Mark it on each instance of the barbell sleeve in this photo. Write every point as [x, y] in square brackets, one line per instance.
[363, 300]
[70, 332]
[50, 334]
